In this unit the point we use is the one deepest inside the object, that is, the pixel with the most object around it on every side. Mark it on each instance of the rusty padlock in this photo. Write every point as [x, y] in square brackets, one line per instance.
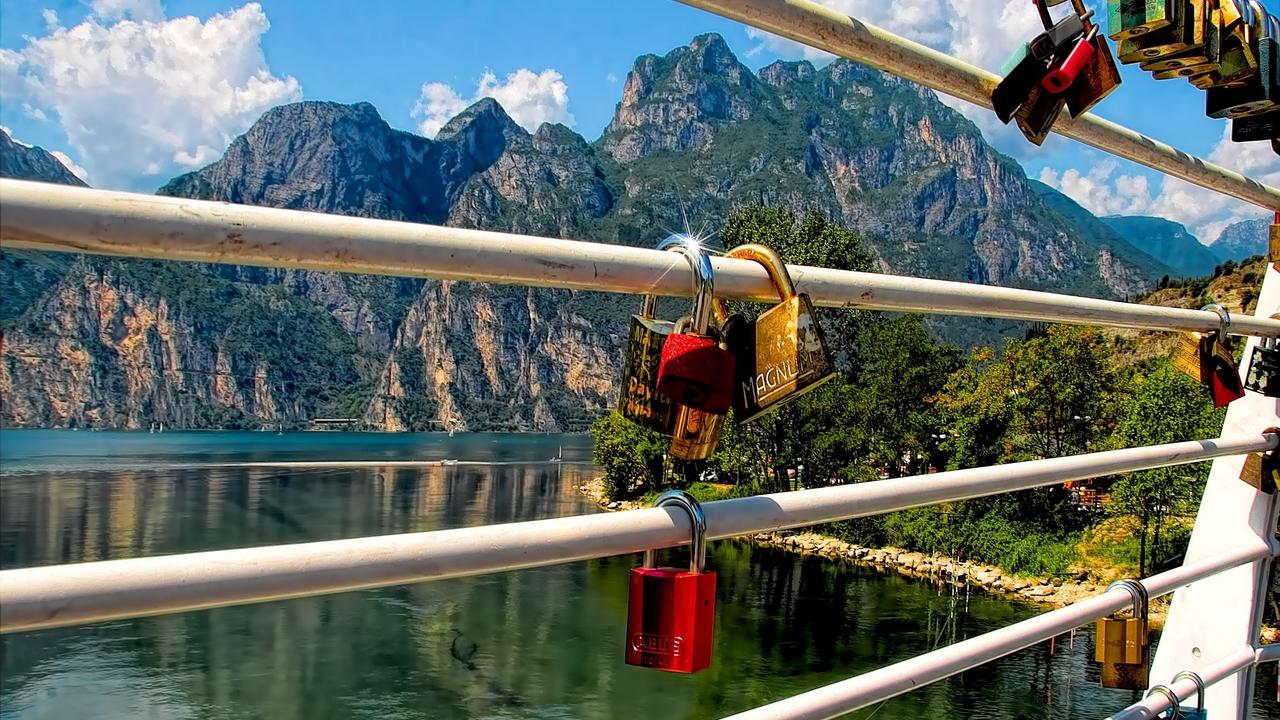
[694, 370]
[671, 612]
[1123, 647]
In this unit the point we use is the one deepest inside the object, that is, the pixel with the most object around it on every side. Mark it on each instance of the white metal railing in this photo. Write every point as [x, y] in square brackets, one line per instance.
[70, 219]
[1187, 690]
[830, 30]
[42, 597]
[858, 692]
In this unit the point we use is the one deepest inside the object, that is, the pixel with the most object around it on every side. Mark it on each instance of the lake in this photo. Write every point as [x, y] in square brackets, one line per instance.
[543, 643]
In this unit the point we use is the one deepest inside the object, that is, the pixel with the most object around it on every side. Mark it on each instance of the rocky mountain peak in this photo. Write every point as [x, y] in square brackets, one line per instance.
[484, 129]
[675, 102]
[28, 162]
[1242, 239]
[782, 73]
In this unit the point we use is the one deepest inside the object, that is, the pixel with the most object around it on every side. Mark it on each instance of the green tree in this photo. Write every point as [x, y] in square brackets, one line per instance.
[1166, 407]
[903, 371]
[630, 456]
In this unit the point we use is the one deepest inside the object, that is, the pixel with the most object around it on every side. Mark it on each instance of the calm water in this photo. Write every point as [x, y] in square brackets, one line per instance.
[543, 643]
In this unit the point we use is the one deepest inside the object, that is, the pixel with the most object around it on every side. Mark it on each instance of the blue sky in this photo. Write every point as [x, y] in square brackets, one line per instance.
[136, 91]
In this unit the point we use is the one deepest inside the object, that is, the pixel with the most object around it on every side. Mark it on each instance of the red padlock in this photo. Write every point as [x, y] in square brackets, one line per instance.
[671, 613]
[695, 371]
[1065, 72]
[1225, 385]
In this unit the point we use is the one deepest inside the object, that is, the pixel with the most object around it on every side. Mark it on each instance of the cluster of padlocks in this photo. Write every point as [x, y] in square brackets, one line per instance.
[1209, 359]
[1228, 48]
[681, 379]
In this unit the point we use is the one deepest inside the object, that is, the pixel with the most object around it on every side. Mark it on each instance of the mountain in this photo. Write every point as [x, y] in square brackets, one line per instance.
[1167, 241]
[108, 342]
[1242, 240]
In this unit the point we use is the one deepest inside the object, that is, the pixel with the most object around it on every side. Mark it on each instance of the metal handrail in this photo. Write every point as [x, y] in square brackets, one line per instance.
[826, 29]
[858, 692]
[1153, 705]
[69, 219]
[41, 597]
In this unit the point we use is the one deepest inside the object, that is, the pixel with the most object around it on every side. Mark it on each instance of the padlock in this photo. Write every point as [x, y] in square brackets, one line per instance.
[1020, 73]
[671, 612]
[1101, 76]
[1123, 647]
[1132, 18]
[1261, 470]
[1260, 93]
[640, 400]
[1199, 51]
[1065, 70]
[1207, 359]
[694, 370]
[1253, 128]
[1176, 37]
[1038, 113]
[1264, 368]
[1198, 712]
[782, 354]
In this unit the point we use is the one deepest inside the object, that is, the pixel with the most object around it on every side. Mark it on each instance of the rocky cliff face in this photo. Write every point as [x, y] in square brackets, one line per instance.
[95, 342]
[882, 154]
[1242, 240]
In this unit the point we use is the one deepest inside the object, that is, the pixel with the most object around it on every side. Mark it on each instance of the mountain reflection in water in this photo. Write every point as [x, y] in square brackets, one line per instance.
[543, 643]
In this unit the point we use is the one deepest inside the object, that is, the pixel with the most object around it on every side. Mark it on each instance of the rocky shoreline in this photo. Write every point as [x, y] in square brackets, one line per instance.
[1052, 590]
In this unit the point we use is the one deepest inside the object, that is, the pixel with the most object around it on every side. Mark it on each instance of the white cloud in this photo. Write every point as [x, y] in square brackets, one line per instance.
[70, 165]
[982, 32]
[1105, 191]
[128, 9]
[141, 97]
[530, 98]
[1100, 190]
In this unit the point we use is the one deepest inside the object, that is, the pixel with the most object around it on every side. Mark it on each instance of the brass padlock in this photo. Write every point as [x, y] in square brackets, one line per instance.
[639, 400]
[696, 433]
[1260, 92]
[783, 353]
[1123, 646]
[1132, 18]
[1099, 78]
[1199, 53]
[1174, 38]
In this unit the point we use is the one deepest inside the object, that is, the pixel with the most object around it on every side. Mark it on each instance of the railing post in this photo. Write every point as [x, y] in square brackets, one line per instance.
[1211, 618]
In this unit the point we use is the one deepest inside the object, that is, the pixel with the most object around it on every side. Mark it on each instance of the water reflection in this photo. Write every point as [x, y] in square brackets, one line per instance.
[542, 643]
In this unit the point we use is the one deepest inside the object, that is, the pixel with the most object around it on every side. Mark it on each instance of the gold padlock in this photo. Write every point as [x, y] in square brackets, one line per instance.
[1273, 242]
[783, 353]
[1123, 647]
[696, 433]
[1098, 79]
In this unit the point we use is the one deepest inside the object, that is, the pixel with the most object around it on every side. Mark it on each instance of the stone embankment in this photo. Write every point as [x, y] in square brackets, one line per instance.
[1053, 590]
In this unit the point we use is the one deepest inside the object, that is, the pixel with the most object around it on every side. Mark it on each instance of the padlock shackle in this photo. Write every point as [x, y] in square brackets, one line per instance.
[773, 264]
[1173, 698]
[704, 284]
[1224, 318]
[1141, 599]
[1195, 678]
[698, 547]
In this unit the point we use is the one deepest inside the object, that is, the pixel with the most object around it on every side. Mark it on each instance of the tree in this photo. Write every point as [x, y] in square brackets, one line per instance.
[1167, 407]
[903, 371]
[631, 456]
